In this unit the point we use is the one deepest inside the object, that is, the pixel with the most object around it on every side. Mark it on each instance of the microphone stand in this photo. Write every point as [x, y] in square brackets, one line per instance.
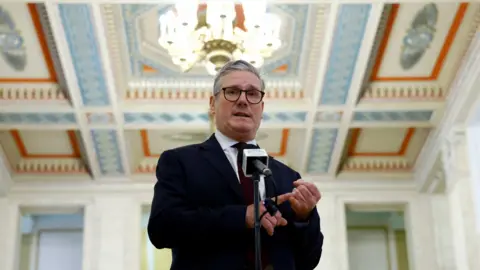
[257, 225]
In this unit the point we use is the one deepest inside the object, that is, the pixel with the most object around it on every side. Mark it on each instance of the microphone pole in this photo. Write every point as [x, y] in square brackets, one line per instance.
[255, 165]
[257, 225]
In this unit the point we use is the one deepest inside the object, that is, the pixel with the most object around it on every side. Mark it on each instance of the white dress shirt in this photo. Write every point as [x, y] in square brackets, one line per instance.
[231, 153]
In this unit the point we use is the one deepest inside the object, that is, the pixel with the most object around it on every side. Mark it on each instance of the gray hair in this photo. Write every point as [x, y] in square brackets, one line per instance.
[238, 65]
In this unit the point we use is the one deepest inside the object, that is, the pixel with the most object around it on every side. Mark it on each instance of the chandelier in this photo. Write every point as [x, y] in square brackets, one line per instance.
[214, 33]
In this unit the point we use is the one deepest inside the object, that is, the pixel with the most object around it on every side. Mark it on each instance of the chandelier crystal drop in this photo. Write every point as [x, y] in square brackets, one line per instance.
[214, 36]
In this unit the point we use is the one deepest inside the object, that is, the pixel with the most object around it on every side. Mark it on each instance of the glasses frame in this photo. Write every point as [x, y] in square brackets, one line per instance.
[241, 92]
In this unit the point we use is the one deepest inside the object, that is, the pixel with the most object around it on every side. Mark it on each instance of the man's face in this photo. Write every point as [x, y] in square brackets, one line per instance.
[238, 119]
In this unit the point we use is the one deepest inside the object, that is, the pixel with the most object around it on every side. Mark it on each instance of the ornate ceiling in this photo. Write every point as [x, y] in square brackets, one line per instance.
[355, 89]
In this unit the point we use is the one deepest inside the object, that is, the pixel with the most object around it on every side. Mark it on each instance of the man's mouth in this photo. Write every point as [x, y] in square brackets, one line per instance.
[240, 114]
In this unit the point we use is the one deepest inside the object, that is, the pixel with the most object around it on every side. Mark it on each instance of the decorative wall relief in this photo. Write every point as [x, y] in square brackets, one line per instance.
[455, 156]
[419, 36]
[11, 42]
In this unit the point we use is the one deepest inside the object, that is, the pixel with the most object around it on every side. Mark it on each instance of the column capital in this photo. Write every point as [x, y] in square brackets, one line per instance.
[455, 156]
[463, 94]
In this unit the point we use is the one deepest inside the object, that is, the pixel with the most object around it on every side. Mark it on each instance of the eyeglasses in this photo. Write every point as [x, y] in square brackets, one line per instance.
[233, 94]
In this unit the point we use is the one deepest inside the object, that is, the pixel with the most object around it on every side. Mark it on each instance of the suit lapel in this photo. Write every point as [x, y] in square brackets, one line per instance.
[214, 154]
[269, 188]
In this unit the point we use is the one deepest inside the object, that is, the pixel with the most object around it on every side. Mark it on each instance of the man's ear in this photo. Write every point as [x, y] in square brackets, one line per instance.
[212, 105]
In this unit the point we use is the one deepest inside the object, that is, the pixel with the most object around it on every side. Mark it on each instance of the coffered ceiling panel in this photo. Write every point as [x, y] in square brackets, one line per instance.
[29, 68]
[93, 91]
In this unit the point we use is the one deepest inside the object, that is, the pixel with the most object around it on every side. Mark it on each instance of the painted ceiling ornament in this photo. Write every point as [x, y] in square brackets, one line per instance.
[419, 36]
[11, 42]
[214, 33]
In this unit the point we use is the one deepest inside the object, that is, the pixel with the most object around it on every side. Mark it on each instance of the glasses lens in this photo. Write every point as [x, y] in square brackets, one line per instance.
[232, 94]
[253, 96]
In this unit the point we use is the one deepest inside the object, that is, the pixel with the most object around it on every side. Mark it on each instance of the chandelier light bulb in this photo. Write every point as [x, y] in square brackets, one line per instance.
[211, 34]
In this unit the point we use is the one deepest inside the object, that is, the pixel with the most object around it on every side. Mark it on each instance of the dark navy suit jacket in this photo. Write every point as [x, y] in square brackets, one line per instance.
[198, 211]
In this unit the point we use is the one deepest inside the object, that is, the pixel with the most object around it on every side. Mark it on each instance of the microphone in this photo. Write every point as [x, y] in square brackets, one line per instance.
[255, 161]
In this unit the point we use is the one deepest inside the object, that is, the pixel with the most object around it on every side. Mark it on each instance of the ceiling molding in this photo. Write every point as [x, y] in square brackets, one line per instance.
[463, 93]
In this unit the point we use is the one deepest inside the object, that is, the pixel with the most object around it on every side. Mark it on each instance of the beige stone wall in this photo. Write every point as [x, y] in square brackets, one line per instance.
[113, 231]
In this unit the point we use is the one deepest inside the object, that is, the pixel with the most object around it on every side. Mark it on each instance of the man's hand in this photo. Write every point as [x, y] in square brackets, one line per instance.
[304, 198]
[268, 222]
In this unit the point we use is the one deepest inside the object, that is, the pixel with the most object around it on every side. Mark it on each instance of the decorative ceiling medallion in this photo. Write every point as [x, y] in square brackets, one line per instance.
[214, 33]
[419, 36]
[11, 42]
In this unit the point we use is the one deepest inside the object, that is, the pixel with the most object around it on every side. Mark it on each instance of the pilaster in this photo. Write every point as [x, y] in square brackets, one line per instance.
[442, 228]
[462, 225]
[420, 236]
[9, 235]
[115, 230]
[473, 142]
[329, 214]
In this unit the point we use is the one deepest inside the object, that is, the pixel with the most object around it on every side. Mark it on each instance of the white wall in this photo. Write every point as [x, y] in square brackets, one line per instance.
[113, 220]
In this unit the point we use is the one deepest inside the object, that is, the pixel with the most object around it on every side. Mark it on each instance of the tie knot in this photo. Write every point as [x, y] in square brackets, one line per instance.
[240, 146]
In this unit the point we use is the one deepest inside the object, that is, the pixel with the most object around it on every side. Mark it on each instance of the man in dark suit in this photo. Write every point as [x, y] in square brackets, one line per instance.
[202, 207]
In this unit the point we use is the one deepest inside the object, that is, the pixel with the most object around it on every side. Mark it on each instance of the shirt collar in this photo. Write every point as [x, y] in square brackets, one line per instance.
[225, 142]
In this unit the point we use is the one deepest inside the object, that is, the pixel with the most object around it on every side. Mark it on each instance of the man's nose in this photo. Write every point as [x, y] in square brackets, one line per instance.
[243, 97]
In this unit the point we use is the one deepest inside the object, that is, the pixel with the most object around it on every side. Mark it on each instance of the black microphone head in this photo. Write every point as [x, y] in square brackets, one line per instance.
[249, 155]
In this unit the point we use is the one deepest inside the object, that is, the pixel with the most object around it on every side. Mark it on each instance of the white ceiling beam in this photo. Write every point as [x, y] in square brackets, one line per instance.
[111, 84]
[317, 88]
[356, 84]
[72, 84]
[464, 93]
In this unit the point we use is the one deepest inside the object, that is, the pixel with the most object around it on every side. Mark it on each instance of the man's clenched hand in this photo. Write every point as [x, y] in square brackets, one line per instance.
[268, 222]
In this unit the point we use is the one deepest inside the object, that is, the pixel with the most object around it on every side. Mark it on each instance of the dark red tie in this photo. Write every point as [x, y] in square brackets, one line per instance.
[246, 182]
[247, 186]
